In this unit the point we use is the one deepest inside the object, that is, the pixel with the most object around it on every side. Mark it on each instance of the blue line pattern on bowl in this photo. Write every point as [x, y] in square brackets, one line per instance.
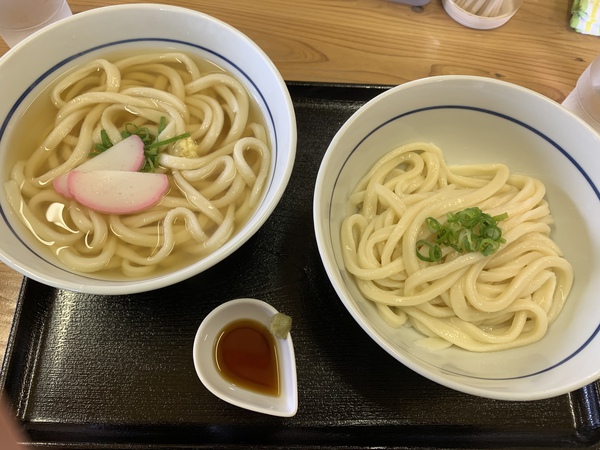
[73, 57]
[538, 133]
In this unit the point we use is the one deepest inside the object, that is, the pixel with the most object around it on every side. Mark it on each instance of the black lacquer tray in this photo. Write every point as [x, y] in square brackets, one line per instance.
[97, 372]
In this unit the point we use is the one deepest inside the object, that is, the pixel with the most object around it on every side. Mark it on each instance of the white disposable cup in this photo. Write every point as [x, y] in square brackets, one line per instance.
[20, 18]
[584, 100]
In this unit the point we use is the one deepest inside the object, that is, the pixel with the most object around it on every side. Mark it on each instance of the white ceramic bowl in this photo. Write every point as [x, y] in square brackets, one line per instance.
[480, 120]
[33, 63]
[508, 8]
[283, 405]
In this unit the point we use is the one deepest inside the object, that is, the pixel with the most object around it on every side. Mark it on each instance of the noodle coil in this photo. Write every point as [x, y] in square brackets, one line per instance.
[480, 303]
[217, 175]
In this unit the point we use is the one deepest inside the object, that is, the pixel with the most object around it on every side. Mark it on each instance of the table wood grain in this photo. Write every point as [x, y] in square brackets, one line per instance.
[383, 42]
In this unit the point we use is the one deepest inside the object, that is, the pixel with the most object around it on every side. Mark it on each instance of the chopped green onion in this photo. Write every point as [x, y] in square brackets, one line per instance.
[168, 141]
[104, 144]
[434, 252]
[470, 230]
[162, 124]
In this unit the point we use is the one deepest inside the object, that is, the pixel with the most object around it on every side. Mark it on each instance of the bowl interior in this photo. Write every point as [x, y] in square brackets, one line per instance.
[479, 121]
[29, 67]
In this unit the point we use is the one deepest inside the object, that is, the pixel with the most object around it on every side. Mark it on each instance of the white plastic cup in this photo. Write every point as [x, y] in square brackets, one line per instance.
[584, 100]
[20, 18]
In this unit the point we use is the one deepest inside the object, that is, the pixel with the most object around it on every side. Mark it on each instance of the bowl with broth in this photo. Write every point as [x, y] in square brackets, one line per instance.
[139, 146]
[455, 217]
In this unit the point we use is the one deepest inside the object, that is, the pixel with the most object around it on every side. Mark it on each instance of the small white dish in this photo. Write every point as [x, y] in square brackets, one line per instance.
[284, 405]
[508, 9]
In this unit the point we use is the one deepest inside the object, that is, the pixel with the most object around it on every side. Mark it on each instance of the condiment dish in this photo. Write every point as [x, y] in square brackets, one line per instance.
[286, 403]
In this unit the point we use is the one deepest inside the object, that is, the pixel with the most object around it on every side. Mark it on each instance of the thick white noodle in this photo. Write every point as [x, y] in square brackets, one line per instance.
[217, 175]
[480, 303]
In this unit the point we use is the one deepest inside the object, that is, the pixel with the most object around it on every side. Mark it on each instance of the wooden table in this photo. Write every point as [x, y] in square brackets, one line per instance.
[382, 42]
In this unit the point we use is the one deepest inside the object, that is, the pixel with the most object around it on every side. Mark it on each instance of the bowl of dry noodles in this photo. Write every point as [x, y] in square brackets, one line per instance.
[139, 146]
[456, 218]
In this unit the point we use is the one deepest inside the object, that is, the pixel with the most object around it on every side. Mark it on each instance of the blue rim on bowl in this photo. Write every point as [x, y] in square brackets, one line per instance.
[416, 111]
[37, 68]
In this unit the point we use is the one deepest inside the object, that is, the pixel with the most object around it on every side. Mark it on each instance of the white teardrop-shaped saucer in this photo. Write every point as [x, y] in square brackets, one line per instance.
[284, 405]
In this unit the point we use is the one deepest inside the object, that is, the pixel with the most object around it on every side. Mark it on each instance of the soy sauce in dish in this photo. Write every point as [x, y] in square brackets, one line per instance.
[245, 355]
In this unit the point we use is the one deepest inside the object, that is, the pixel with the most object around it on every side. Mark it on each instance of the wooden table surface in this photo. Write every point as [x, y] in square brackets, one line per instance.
[383, 42]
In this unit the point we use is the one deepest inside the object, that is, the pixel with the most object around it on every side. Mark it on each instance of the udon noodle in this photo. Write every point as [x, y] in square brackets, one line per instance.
[480, 303]
[217, 175]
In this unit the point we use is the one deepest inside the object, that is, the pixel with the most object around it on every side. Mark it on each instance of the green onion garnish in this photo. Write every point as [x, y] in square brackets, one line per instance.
[151, 142]
[470, 230]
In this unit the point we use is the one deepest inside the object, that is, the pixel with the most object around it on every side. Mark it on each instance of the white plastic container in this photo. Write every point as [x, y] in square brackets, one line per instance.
[508, 8]
[21, 18]
[584, 100]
